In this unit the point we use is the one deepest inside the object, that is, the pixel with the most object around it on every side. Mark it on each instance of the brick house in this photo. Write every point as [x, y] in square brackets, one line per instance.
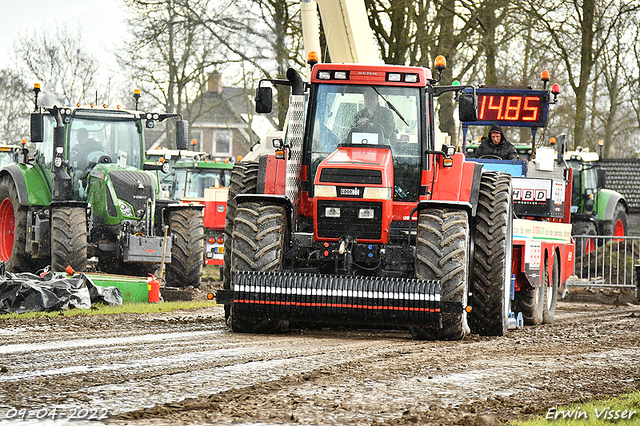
[223, 122]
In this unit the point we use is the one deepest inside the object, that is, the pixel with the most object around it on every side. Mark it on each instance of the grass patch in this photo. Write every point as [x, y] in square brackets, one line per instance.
[618, 410]
[211, 272]
[125, 308]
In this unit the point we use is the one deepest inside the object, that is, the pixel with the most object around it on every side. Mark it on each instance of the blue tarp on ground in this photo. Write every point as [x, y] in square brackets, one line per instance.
[26, 292]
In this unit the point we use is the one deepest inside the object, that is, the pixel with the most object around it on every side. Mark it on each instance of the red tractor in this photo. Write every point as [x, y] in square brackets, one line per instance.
[358, 217]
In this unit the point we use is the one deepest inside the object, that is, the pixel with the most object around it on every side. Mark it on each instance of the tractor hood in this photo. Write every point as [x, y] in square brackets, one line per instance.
[111, 185]
[369, 166]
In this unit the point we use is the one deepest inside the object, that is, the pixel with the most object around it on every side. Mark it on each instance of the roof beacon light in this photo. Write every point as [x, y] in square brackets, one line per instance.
[440, 64]
[544, 76]
[555, 89]
[545, 79]
[312, 58]
[136, 96]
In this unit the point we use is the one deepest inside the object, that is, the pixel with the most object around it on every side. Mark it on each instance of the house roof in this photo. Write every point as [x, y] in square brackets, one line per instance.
[623, 175]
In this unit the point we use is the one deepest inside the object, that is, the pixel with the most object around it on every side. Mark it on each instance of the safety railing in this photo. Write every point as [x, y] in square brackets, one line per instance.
[606, 261]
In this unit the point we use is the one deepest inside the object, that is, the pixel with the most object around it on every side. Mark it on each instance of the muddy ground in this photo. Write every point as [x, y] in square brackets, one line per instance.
[187, 368]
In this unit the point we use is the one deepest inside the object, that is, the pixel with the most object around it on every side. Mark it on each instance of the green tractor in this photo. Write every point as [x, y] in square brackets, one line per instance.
[594, 209]
[83, 193]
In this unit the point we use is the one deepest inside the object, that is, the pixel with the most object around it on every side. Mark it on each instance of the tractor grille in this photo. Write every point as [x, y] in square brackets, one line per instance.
[362, 177]
[348, 223]
[133, 187]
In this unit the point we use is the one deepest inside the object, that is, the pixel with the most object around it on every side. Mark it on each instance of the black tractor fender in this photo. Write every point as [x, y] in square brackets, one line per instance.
[18, 179]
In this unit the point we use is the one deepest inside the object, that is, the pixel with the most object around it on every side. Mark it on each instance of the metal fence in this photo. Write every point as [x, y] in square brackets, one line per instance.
[606, 262]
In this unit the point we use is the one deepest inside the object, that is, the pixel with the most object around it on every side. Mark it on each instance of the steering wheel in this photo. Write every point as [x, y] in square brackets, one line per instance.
[104, 159]
[490, 157]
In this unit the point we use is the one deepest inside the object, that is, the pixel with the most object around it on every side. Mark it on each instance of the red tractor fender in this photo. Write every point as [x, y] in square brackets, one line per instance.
[457, 185]
[272, 175]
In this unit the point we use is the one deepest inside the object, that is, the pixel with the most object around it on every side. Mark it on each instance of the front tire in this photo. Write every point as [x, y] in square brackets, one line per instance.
[244, 180]
[491, 281]
[259, 244]
[442, 253]
[187, 248]
[69, 238]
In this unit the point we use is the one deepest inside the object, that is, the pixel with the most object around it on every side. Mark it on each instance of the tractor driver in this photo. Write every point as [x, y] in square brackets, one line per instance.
[83, 148]
[375, 114]
[496, 145]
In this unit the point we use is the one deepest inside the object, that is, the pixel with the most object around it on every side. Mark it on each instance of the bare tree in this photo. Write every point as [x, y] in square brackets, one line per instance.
[60, 62]
[579, 32]
[14, 104]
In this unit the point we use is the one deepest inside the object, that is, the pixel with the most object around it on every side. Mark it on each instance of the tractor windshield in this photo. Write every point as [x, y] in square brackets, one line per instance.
[192, 183]
[370, 115]
[107, 141]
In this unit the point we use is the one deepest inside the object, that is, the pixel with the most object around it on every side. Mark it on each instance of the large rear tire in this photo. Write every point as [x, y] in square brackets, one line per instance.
[551, 300]
[69, 238]
[13, 228]
[187, 248]
[491, 279]
[442, 253]
[259, 244]
[244, 180]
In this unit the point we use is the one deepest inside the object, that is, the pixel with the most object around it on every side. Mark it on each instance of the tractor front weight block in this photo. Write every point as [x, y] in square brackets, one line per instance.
[337, 299]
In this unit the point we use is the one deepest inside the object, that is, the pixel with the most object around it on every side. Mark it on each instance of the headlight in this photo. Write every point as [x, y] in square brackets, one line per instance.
[366, 214]
[332, 211]
[327, 191]
[126, 209]
[377, 193]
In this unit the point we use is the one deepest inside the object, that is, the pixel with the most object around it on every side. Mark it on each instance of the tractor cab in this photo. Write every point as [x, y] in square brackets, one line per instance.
[356, 125]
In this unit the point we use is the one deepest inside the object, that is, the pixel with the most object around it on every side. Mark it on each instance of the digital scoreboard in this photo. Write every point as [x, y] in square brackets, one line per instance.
[511, 107]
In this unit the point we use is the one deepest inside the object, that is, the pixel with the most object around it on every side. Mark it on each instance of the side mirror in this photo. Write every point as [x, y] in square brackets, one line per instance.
[602, 178]
[277, 143]
[37, 127]
[468, 107]
[182, 134]
[264, 100]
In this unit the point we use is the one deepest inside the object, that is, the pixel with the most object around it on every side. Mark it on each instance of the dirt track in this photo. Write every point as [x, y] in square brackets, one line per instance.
[185, 367]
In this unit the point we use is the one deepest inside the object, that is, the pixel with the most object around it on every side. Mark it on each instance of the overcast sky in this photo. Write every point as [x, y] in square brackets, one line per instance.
[101, 21]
